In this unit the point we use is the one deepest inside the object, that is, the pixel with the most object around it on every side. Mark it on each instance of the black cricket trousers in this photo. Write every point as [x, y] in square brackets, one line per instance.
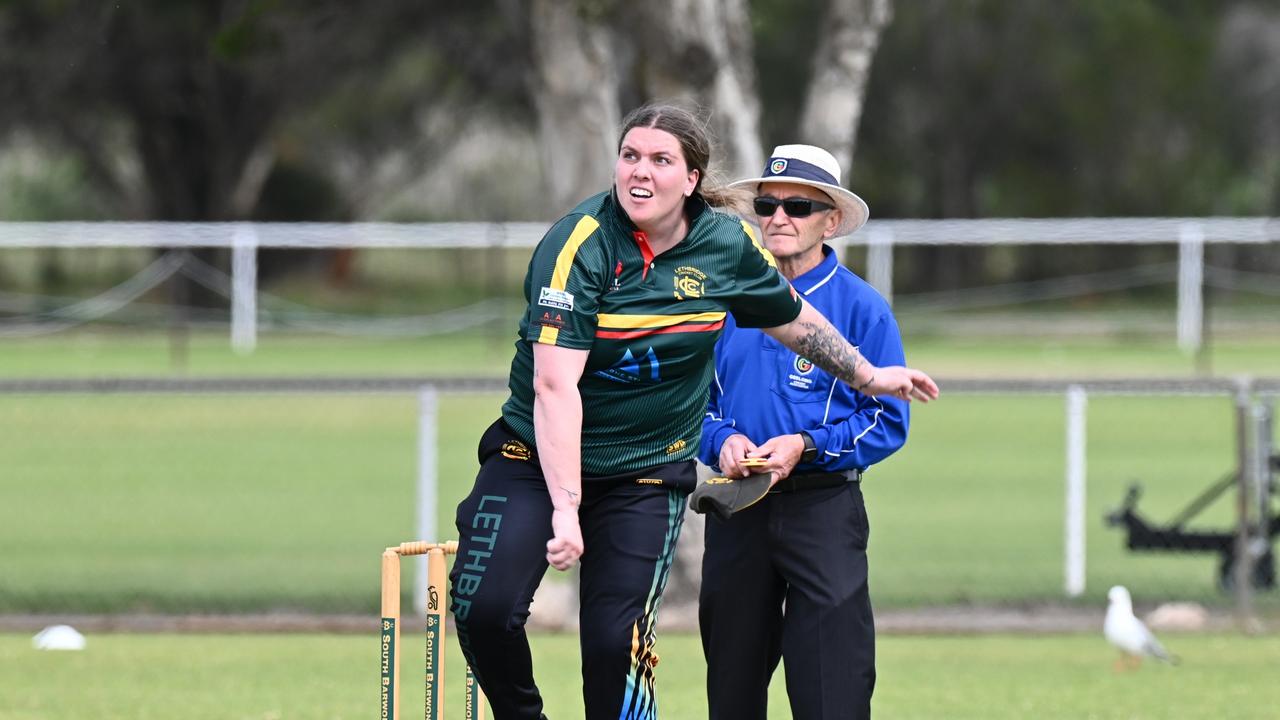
[630, 524]
[787, 578]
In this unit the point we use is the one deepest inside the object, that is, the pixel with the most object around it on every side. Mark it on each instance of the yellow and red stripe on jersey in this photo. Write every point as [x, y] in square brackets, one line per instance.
[634, 326]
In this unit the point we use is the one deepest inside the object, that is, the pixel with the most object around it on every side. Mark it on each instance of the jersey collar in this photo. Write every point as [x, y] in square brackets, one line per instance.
[694, 208]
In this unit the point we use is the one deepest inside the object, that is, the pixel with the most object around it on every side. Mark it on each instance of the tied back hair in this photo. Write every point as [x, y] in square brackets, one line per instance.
[696, 145]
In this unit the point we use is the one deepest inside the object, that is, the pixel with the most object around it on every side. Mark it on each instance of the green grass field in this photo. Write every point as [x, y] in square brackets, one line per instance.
[242, 503]
[291, 677]
[234, 503]
[252, 503]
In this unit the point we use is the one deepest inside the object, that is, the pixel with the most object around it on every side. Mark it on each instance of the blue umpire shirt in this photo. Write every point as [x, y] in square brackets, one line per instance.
[762, 389]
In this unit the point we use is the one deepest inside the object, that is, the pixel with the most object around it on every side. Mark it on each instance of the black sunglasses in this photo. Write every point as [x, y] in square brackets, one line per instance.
[796, 207]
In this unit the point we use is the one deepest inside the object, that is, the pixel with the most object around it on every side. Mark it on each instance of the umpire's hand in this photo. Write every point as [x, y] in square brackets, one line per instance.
[732, 452]
[781, 454]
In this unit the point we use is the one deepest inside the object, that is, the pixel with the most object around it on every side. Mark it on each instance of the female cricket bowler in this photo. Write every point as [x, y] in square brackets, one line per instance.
[593, 456]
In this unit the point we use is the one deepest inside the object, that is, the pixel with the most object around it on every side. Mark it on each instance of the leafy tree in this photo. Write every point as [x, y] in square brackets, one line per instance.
[190, 110]
[983, 108]
[191, 91]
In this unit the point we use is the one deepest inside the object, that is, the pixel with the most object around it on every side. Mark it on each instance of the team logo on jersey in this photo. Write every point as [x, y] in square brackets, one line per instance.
[516, 450]
[676, 447]
[778, 166]
[689, 282]
[799, 374]
[630, 369]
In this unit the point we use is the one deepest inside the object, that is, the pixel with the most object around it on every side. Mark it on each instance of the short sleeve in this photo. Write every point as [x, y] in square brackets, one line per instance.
[563, 285]
[764, 297]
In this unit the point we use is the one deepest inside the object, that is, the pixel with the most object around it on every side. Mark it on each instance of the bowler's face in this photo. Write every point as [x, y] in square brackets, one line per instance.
[652, 177]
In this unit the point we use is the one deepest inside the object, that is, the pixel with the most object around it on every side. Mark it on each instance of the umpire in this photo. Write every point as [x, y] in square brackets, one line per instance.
[787, 577]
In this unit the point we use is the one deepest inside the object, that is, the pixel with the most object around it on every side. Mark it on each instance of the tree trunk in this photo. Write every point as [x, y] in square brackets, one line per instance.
[575, 89]
[841, 66]
[701, 51]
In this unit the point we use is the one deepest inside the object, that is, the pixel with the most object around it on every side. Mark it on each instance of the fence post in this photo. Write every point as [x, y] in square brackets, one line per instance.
[1075, 525]
[1190, 286]
[1241, 574]
[839, 244]
[428, 410]
[1258, 531]
[880, 261]
[1263, 417]
[244, 289]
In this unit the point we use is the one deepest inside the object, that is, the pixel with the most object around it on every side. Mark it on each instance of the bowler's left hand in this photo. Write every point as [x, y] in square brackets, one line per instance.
[903, 383]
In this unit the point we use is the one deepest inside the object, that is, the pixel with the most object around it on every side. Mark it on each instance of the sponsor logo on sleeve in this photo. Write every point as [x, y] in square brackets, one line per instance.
[550, 297]
[551, 319]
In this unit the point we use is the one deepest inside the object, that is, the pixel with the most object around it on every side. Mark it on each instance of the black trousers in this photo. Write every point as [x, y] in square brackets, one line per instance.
[630, 525]
[787, 578]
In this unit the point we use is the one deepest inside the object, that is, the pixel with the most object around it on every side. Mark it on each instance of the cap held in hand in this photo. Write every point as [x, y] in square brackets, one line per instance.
[726, 496]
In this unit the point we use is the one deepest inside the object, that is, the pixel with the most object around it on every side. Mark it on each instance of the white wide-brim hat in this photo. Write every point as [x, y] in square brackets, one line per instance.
[817, 168]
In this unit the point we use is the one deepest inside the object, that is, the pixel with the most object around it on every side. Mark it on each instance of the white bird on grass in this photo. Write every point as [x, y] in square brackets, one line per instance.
[1129, 634]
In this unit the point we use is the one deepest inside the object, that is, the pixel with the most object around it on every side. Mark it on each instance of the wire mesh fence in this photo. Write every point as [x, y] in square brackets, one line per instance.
[258, 495]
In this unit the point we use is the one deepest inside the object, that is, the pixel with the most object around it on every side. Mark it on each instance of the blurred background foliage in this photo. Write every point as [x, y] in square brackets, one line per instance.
[285, 110]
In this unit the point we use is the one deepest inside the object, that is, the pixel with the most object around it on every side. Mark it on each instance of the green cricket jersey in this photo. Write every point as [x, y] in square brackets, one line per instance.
[650, 323]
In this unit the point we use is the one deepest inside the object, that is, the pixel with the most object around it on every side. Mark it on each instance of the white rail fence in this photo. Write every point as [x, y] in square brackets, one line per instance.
[879, 236]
